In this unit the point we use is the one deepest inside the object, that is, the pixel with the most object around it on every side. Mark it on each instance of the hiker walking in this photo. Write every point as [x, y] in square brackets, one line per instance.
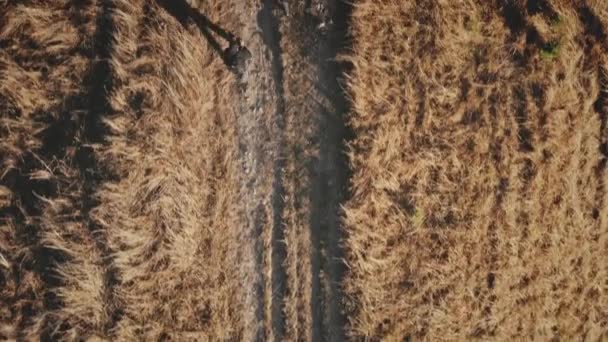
[283, 5]
[236, 54]
[185, 11]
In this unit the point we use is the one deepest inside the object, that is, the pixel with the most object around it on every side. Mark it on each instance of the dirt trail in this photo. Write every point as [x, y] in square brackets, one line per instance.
[330, 178]
[269, 25]
[265, 149]
[258, 128]
[264, 145]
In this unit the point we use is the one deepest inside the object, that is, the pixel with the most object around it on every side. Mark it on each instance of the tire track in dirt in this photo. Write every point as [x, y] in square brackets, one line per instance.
[516, 18]
[260, 130]
[253, 135]
[492, 234]
[330, 178]
[262, 134]
[269, 26]
[252, 257]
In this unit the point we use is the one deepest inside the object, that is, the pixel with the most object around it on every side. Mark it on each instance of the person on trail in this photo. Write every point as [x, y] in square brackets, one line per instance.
[321, 14]
[283, 5]
[236, 54]
[186, 11]
[324, 17]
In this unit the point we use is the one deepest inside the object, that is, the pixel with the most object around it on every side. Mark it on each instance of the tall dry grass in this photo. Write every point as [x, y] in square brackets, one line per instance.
[118, 163]
[45, 54]
[172, 214]
[478, 207]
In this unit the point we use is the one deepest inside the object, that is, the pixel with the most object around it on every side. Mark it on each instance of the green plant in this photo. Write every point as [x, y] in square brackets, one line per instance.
[550, 50]
[556, 21]
[418, 217]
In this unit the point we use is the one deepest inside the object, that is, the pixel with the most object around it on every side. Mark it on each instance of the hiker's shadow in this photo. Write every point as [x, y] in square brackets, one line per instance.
[185, 15]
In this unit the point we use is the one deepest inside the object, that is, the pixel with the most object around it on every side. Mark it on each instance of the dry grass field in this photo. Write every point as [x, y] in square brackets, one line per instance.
[148, 192]
[119, 176]
[41, 145]
[478, 206]
[382, 170]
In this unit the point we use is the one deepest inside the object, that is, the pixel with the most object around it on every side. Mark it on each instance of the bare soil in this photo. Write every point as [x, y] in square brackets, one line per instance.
[326, 181]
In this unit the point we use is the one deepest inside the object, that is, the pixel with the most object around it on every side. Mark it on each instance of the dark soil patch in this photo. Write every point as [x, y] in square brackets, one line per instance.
[331, 175]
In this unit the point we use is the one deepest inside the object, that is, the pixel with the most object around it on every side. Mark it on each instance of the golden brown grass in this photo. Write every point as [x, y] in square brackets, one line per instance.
[142, 240]
[130, 211]
[172, 217]
[42, 63]
[478, 207]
